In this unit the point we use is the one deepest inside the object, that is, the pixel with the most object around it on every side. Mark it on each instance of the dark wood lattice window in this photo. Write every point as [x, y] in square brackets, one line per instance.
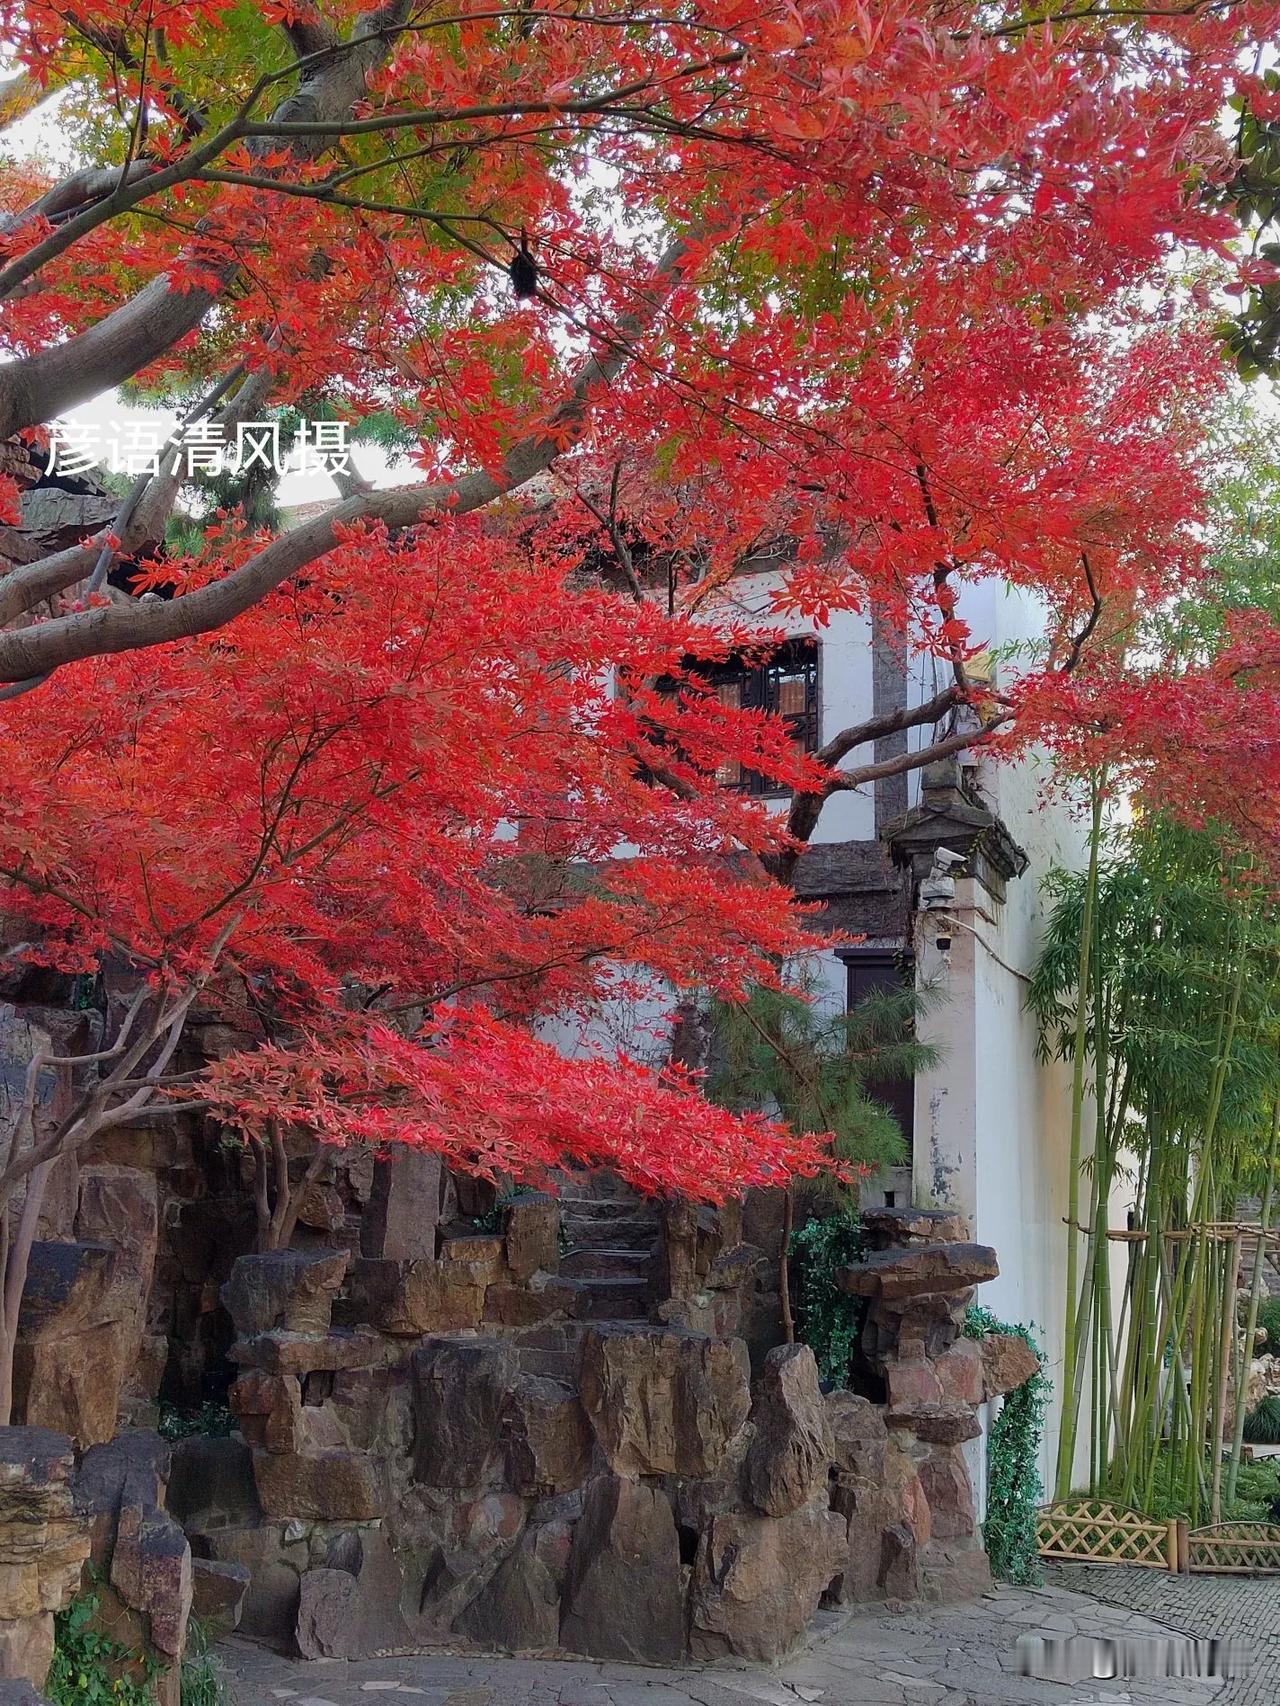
[876, 970]
[785, 684]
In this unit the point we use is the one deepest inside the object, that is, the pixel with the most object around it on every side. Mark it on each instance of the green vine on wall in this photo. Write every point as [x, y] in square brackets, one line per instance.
[830, 1320]
[1014, 1488]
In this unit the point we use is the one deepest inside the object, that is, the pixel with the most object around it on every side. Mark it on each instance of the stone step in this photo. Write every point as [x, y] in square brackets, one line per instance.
[625, 1299]
[606, 1263]
[609, 1234]
[599, 1208]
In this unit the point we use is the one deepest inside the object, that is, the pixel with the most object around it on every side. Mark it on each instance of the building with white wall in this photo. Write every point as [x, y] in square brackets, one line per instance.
[988, 1125]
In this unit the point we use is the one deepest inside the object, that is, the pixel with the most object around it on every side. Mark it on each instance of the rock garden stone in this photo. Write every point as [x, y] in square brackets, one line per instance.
[623, 1594]
[791, 1452]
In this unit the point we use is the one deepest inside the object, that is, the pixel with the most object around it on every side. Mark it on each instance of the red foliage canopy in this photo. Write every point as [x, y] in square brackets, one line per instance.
[883, 287]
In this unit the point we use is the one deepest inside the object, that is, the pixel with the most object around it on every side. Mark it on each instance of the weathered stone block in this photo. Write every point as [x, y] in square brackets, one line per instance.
[542, 1298]
[411, 1298]
[947, 1487]
[478, 1255]
[151, 1571]
[548, 1437]
[44, 1544]
[68, 1363]
[267, 1407]
[284, 1290]
[518, 1610]
[664, 1402]
[532, 1235]
[883, 1227]
[353, 1611]
[461, 1388]
[959, 1371]
[322, 1486]
[211, 1484]
[1007, 1361]
[789, 1457]
[275, 1566]
[401, 1218]
[757, 1580]
[218, 1594]
[622, 1593]
[898, 1275]
[303, 1353]
[936, 1424]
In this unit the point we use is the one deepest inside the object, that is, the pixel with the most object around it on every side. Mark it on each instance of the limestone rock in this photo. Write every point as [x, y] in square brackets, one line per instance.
[949, 1572]
[757, 1580]
[401, 1219]
[1007, 1361]
[898, 1573]
[218, 1594]
[960, 1373]
[622, 1594]
[303, 1353]
[532, 1235]
[287, 1290]
[541, 1298]
[26, 1649]
[411, 1298]
[476, 1536]
[275, 1566]
[858, 1436]
[478, 1255]
[936, 1424]
[211, 1483]
[320, 1486]
[897, 1275]
[884, 1227]
[267, 1407]
[460, 1393]
[44, 1544]
[791, 1452]
[68, 1364]
[353, 1612]
[320, 1206]
[131, 1470]
[948, 1489]
[17, 1691]
[548, 1437]
[665, 1402]
[151, 1571]
[518, 1610]
[913, 1380]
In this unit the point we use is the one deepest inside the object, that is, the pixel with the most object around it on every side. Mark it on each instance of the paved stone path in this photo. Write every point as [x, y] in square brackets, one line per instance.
[1207, 1606]
[960, 1655]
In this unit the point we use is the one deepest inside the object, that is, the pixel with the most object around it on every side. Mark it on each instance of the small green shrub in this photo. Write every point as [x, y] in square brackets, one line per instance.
[830, 1320]
[86, 1662]
[1269, 1317]
[213, 1420]
[1262, 1426]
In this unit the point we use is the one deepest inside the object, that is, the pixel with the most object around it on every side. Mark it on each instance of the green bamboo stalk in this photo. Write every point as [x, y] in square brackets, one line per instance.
[1070, 1388]
[1255, 1298]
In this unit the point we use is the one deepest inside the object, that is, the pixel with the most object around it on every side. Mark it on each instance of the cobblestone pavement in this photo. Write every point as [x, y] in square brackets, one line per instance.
[959, 1655]
[1207, 1606]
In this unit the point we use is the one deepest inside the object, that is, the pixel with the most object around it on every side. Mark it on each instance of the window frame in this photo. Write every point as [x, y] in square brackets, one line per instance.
[761, 684]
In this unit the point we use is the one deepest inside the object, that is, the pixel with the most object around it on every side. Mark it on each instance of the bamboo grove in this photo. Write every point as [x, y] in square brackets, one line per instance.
[1158, 982]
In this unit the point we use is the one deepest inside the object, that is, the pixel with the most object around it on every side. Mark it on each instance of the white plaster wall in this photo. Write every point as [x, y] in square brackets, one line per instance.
[992, 1120]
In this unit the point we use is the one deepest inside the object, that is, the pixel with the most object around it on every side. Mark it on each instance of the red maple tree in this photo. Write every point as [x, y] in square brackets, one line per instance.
[882, 289]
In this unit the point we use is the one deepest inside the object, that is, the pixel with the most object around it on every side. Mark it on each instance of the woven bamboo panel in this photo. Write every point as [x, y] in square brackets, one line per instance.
[1091, 1531]
[1236, 1549]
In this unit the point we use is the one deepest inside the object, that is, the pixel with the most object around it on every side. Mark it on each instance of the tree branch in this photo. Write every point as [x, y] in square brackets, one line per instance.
[37, 650]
